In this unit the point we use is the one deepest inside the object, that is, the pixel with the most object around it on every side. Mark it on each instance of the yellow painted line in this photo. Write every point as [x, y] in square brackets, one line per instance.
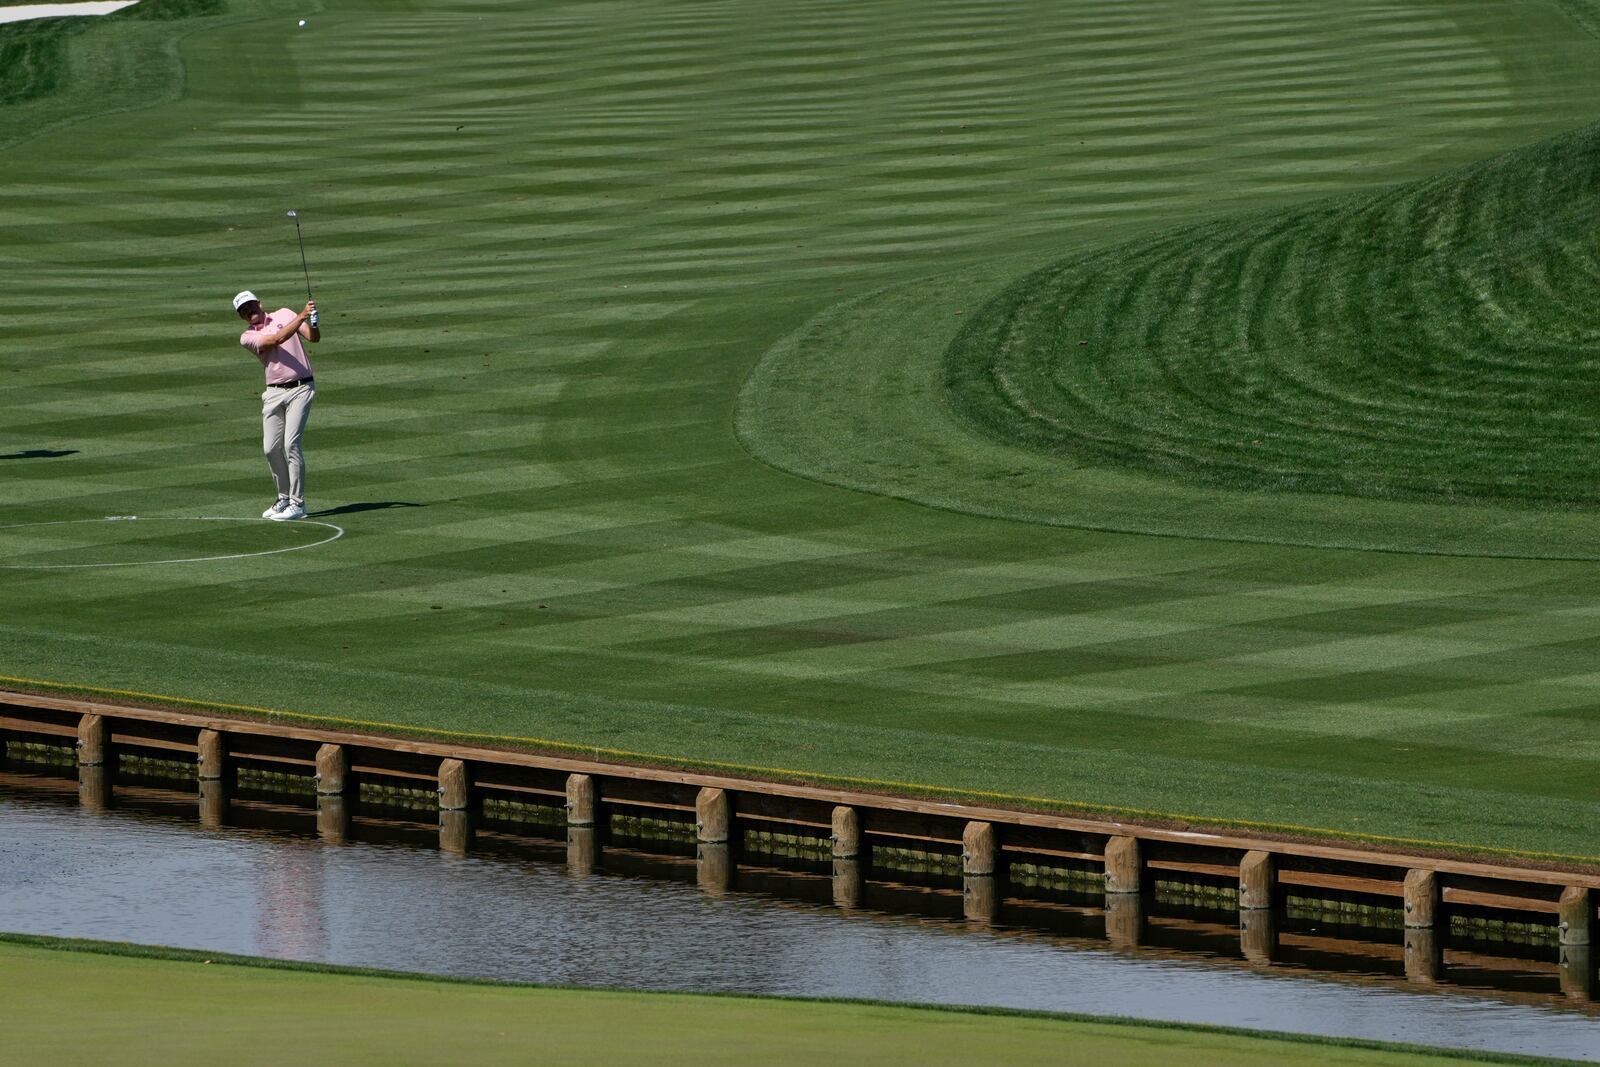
[811, 776]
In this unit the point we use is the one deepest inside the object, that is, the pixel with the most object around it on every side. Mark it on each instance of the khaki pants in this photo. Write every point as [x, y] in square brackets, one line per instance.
[283, 423]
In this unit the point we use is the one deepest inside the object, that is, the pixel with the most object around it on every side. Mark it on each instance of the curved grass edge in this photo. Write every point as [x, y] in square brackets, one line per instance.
[132, 56]
[162, 953]
[892, 431]
[1105, 358]
[914, 790]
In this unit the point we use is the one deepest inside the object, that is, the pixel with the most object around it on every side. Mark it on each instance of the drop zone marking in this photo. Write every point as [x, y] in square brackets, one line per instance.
[338, 532]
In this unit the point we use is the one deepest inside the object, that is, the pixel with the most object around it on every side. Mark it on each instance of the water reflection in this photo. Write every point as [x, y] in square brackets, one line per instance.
[290, 919]
[323, 878]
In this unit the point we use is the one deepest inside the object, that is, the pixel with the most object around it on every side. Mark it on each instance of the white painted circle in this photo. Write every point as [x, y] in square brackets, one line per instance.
[338, 532]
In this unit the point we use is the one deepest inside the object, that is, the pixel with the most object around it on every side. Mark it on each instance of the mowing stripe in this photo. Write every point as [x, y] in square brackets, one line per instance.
[552, 239]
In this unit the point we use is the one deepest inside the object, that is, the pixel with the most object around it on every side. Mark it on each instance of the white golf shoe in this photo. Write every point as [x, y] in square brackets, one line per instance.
[277, 506]
[290, 512]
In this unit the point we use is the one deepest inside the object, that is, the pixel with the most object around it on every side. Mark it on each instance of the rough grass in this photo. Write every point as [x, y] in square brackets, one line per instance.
[33, 56]
[1439, 341]
[117, 62]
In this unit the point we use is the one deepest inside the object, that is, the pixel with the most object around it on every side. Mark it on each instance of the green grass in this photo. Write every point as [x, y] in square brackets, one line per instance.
[45, 83]
[553, 241]
[1438, 341]
[167, 1007]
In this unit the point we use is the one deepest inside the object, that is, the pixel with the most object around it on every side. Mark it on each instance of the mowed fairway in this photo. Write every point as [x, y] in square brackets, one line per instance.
[552, 240]
[177, 1011]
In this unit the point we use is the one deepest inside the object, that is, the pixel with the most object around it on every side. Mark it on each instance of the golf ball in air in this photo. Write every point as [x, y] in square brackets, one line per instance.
[302, 23]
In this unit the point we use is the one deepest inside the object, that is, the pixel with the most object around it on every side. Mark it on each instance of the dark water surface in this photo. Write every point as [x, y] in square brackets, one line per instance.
[143, 869]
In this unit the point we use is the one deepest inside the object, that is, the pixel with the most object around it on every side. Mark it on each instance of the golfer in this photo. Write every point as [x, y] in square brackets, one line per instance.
[286, 403]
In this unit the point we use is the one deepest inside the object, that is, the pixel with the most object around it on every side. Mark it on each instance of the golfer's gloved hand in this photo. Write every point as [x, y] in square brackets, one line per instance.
[313, 320]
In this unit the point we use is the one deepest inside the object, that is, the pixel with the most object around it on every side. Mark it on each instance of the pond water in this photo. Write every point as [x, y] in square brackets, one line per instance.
[258, 878]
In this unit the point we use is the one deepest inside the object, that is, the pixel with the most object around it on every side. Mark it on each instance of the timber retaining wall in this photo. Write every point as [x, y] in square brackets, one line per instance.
[991, 850]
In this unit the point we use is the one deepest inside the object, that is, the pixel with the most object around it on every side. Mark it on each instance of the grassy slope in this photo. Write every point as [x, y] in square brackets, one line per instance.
[551, 241]
[46, 83]
[172, 1011]
[1437, 341]
[890, 344]
[1429, 343]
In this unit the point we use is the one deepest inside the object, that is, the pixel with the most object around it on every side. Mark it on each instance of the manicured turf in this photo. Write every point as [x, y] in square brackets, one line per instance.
[1438, 341]
[552, 241]
[69, 1007]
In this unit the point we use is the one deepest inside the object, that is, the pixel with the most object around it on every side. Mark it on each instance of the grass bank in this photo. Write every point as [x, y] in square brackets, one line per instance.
[139, 1001]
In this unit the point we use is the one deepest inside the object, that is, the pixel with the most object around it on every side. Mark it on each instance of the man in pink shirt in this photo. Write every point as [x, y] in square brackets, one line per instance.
[286, 404]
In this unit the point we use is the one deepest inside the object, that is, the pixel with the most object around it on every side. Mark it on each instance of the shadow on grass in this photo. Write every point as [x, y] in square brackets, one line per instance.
[40, 453]
[374, 505]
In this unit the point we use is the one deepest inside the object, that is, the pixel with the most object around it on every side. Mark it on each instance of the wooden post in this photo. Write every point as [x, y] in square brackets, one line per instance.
[1576, 915]
[980, 901]
[713, 816]
[713, 868]
[333, 818]
[848, 884]
[94, 788]
[455, 830]
[1577, 972]
[583, 851]
[1255, 881]
[978, 850]
[94, 741]
[211, 756]
[1421, 898]
[1124, 868]
[213, 801]
[846, 833]
[1258, 935]
[581, 800]
[1422, 955]
[1124, 919]
[453, 790]
[333, 770]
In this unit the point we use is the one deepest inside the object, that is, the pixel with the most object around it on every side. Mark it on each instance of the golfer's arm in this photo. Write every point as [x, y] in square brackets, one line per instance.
[310, 333]
[284, 334]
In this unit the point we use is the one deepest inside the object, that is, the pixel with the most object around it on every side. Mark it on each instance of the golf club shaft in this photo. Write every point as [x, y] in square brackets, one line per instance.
[302, 243]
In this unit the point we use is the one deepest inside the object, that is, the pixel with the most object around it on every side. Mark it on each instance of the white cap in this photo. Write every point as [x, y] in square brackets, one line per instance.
[242, 299]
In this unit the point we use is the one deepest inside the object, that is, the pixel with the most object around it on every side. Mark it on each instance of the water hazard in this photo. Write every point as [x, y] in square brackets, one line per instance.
[272, 876]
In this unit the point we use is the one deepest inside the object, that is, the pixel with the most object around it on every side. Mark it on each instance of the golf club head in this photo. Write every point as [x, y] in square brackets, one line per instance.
[291, 214]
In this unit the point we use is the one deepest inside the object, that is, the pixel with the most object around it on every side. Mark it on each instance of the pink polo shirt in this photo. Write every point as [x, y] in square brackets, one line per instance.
[284, 362]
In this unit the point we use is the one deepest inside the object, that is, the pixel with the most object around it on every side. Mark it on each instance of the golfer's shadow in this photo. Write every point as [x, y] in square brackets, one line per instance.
[372, 505]
[40, 453]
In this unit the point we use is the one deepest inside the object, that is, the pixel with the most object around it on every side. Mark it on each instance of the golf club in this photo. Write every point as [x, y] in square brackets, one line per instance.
[302, 243]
